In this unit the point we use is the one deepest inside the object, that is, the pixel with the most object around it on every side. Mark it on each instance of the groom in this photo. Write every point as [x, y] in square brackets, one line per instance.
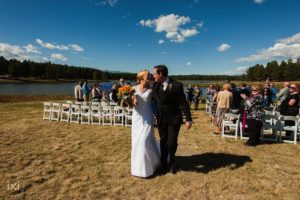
[171, 102]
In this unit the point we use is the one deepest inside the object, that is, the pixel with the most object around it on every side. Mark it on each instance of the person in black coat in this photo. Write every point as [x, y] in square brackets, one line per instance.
[171, 102]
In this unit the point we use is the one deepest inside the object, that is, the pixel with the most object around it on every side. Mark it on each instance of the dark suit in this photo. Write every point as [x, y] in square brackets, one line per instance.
[170, 105]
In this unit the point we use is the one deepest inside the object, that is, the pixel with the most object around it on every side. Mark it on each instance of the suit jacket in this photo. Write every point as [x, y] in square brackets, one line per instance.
[171, 103]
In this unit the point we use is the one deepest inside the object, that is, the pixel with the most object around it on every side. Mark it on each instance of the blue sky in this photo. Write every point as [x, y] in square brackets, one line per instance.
[189, 36]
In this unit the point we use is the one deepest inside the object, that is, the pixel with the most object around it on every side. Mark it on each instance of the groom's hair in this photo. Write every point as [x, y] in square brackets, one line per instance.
[162, 69]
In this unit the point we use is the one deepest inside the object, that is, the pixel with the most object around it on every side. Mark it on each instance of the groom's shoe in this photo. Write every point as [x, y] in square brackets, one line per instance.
[173, 168]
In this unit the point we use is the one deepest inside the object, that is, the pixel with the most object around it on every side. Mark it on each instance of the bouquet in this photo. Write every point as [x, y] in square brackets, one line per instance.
[125, 96]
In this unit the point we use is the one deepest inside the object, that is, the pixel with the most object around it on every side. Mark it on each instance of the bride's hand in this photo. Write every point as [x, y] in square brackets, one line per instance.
[134, 101]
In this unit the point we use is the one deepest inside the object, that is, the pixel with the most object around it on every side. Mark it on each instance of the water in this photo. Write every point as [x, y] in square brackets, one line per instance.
[46, 88]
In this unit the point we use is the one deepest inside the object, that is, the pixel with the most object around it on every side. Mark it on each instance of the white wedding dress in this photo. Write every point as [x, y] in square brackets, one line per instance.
[145, 154]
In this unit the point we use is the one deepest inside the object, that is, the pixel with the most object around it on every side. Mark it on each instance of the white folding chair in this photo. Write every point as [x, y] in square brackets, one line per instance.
[96, 115]
[208, 107]
[85, 114]
[96, 104]
[232, 121]
[271, 125]
[119, 115]
[107, 115]
[292, 128]
[113, 103]
[69, 102]
[128, 117]
[47, 110]
[55, 112]
[75, 113]
[65, 112]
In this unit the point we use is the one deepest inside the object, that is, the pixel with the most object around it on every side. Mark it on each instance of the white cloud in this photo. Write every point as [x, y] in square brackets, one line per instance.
[223, 47]
[189, 63]
[164, 53]
[259, 1]
[161, 41]
[13, 51]
[31, 49]
[172, 25]
[51, 46]
[200, 24]
[235, 71]
[111, 3]
[45, 59]
[283, 49]
[76, 47]
[59, 56]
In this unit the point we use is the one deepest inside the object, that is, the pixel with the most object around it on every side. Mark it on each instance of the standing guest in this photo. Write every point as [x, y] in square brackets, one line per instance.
[283, 93]
[244, 89]
[236, 98]
[86, 91]
[210, 92]
[268, 93]
[105, 95]
[190, 94]
[255, 115]
[78, 92]
[290, 106]
[273, 92]
[96, 94]
[121, 82]
[224, 100]
[114, 92]
[197, 96]
[213, 107]
[267, 99]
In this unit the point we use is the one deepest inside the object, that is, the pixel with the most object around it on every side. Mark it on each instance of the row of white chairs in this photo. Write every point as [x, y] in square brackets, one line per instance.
[273, 124]
[88, 114]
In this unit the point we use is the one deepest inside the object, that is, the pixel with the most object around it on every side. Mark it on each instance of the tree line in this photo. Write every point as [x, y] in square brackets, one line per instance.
[285, 71]
[51, 71]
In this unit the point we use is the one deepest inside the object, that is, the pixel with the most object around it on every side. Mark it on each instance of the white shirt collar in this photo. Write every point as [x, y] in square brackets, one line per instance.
[166, 82]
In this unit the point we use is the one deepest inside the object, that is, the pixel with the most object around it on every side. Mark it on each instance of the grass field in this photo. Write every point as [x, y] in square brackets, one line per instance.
[55, 160]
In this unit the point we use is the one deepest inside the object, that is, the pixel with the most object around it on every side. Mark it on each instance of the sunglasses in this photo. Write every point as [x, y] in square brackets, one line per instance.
[292, 88]
[254, 90]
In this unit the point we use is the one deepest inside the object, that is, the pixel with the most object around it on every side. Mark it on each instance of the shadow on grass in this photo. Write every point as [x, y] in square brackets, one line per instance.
[204, 163]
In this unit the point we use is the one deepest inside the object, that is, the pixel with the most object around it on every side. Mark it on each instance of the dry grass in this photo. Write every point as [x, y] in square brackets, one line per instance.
[51, 160]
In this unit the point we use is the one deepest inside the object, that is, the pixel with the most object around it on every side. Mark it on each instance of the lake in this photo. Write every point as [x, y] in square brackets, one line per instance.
[46, 88]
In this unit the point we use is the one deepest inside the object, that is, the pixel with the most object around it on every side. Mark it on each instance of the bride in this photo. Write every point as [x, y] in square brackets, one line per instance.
[145, 155]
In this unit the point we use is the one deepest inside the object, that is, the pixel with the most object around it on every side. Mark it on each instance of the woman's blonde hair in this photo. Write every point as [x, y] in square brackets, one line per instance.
[140, 75]
[226, 86]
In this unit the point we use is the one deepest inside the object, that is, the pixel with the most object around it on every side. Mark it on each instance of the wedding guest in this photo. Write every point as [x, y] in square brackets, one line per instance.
[78, 92]
[255, 115]
[114, 92]
[213, 107]
[96, 95]
[273, 92]
[224, 100]
[197, 96]
[209, 92]
[105, 95]
[236, 98]
[290, 106]
[121, 82]
[244, 89]
[190, 94]
[283, 92]
[86, 91]
[267, 99]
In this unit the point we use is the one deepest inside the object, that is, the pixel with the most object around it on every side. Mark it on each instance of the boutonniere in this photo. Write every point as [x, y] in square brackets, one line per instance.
[170, 86]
